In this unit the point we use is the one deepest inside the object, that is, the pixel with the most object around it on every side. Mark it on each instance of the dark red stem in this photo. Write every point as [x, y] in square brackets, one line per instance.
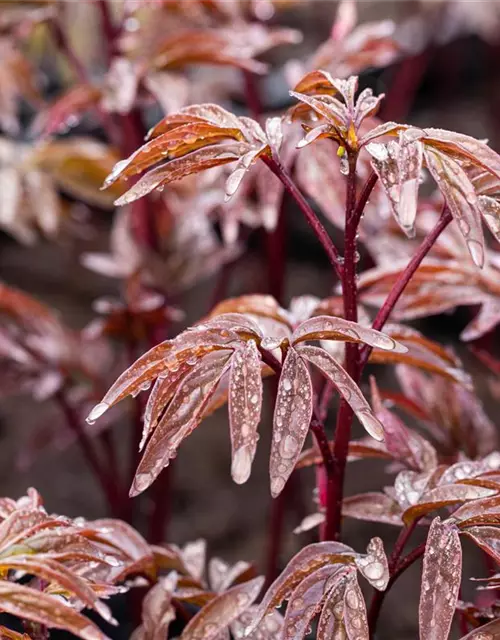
[345, 414]
[161, 491]
[279, 170]
[379, 596]
[405, 277]
[108, 29]
[252, 94]
[62, 42]
[107, 484]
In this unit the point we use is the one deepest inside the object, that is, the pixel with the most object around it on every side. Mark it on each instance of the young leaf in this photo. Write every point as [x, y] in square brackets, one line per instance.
[374, 566]
[441, 577]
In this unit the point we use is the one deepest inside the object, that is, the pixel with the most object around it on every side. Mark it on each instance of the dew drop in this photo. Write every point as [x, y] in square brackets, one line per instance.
[374, 571]
[97, 412]
[242, 465]
[288, 446]
[344, 165]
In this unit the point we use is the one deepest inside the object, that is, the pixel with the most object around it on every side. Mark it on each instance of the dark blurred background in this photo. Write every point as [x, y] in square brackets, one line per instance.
[458, 88]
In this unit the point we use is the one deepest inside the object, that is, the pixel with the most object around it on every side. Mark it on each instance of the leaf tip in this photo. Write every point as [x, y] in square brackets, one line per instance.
[97, 412]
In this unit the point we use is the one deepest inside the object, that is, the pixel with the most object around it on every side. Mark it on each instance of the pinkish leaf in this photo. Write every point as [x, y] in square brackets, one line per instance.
[162, 361]
[487, 318]
[398, 165]
[66, 111]
[181, 417]
[292, 418]
[318, 174]
[178, 168]
[373, 507]
[346, 387]
[53, 571]
[485, 511]
[476, 151]
[488, 631]
[157, 610]
[194, 556]
[245, 405]
[441, 577]
[445, 496]
[355, 620]
[25, 602]
[271, 628]
[373, 565]
[461, 198]
[220, 612]
[331, 328]
[344, 611]
[304, 563]
[490, 208]
[487, 538]
[306, 600]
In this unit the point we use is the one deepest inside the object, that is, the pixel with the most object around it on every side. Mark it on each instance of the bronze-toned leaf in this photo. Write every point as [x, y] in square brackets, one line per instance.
[329, 328]
[461, 198]
[346, 387]
[444, 496]
[373, 565]
[292, 417]
[441, 578]
[67, 110]
[487, 631]
[304, 563]
[373, 507]
[306, 600]
[181, 417]
[24, 602]
[220, 612]
[53, 571]
[160, 361]
[178, 168]
[8, 634]
[157, 610]
[485, 511]
[403, 443]
[487, 538]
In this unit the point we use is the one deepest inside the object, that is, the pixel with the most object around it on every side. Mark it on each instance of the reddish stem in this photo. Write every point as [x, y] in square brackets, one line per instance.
[162, 490]
[62, 42]
[379, 596]
[364, 196]
[252, 94]
[108, 486]
[279, 170]
[345, 414]
[405, 277]
[108, 29]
